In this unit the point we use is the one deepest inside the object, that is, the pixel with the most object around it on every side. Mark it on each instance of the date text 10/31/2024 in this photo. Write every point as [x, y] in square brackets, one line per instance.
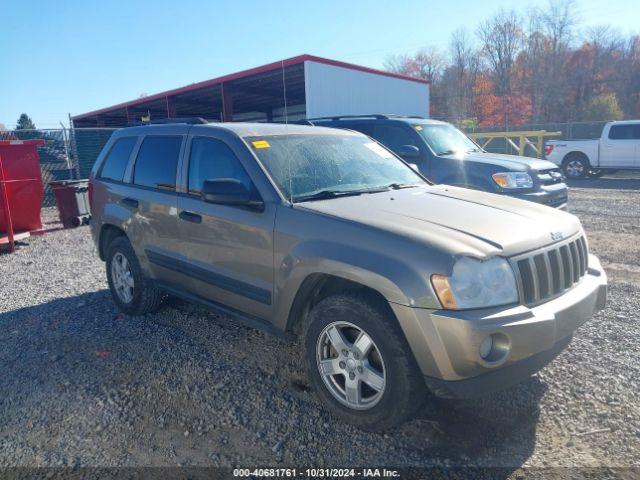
[316, 473]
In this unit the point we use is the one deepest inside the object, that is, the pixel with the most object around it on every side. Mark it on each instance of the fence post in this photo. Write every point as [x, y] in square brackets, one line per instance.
[5, 204]
[65, 142]
[73, 147]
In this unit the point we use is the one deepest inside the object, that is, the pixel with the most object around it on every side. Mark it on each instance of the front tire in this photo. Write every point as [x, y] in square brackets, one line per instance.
[576, 166]
[359, 362]
[132, 292]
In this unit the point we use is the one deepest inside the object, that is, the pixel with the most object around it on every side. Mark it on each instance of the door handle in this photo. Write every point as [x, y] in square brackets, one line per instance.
[190, 217]
[130, 202]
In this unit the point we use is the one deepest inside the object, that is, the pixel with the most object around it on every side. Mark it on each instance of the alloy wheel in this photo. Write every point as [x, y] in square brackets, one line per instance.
[351, 365]
[574, 168]
[122, 277]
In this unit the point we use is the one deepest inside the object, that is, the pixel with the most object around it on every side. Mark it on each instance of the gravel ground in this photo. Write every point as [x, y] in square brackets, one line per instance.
[84, 386]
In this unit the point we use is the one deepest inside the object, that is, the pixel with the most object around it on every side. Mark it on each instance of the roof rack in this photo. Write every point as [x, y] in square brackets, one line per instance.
[164, 121]
[340, 117]
[407, 116]
[378, 116]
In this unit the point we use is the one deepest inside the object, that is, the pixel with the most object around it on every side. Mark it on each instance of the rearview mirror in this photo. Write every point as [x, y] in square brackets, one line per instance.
[229, 191]
[409, 152]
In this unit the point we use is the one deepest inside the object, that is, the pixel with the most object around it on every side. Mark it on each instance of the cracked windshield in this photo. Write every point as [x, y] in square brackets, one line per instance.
[314, 167]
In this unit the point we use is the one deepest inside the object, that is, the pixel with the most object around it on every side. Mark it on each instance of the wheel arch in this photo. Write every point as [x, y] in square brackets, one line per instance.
[108, 233]
[575, 153]
[317, 286]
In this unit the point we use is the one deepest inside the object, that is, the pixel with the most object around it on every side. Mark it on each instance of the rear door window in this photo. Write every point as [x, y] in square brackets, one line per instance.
[212, 159]
[117, 159]
[157, 162]
[624, 132]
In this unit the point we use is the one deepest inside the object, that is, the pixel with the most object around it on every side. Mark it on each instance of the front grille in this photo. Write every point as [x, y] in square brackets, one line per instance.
[550, 176]
[545, 274]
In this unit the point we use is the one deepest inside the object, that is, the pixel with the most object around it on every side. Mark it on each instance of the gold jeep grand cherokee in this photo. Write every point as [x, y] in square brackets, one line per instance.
[396, 286]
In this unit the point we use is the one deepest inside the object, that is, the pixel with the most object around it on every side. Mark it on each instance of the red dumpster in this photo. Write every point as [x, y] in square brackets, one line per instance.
[21, 189]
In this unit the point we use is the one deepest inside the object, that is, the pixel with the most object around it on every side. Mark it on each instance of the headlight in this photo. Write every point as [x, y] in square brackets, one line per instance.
[476, 284]
[513, 180]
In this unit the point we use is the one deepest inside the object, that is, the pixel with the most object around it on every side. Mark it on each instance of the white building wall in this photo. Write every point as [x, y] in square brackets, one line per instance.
[333, 90]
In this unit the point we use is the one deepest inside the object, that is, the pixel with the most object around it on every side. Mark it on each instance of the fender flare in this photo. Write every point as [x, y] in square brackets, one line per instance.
[395, 282]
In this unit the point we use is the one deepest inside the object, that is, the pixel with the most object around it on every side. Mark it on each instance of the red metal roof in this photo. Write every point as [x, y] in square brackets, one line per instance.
[245, 73]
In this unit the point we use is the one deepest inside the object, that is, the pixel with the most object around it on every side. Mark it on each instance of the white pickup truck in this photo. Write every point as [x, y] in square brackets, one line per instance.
[617, 149]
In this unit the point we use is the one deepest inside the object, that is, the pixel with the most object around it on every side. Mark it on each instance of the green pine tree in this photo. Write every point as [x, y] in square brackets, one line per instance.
[25, 123]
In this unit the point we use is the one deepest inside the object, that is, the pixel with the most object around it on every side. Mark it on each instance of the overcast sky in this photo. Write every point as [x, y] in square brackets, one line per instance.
[75, 56]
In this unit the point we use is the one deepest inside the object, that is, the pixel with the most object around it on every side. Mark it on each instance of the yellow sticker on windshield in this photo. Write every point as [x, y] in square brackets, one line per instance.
[418, 128]
[260, 144]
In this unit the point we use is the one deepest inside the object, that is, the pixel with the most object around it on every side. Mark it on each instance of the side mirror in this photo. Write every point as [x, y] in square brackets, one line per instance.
[229, 191]
[409, 152]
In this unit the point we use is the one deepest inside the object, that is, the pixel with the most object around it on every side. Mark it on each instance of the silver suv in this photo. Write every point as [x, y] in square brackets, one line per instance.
[396, 287]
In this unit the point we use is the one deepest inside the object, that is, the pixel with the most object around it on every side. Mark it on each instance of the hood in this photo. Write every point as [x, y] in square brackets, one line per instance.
[457, 220]
[509, 162]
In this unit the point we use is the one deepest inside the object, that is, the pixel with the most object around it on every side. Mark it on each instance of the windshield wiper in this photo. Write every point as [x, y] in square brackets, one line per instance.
[448, 152]
[327, 194]
[398, 186]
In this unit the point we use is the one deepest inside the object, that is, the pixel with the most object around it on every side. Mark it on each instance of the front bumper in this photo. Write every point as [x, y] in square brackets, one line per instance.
[446, 343]
[551, 195]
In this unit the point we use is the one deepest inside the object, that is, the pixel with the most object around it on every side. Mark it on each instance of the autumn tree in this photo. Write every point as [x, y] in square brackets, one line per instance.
[426, 64]
[603, 108]
[501, 39]
[537, 68]
[628, 85]
[546, 46]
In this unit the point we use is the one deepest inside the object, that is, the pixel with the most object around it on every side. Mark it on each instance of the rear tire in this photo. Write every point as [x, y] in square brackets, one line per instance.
[576, 166]
[132, 292]
[371, 379]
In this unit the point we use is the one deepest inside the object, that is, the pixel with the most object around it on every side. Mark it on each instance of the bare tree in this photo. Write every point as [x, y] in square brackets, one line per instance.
[628, 88]
[427, 63]
[596, 67]
[607, 44]
[548, 41]
[460, 77]
[398, 63]
[464, 55]
[501, 38]
[558, 22]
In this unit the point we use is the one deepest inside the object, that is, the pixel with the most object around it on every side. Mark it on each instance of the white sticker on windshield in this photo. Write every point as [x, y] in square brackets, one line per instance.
[380, 151]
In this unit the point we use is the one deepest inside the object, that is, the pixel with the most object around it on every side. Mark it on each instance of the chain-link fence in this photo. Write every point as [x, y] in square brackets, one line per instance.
[67, 153]
[70, 153]
[569, 131]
